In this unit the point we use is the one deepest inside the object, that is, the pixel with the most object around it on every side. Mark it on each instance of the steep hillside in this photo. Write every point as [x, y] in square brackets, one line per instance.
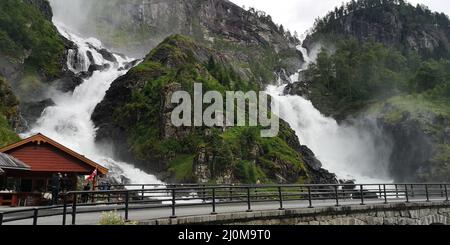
[32, 52]
[135, 118]
[395, 23]
[9, 115]
[259, 46]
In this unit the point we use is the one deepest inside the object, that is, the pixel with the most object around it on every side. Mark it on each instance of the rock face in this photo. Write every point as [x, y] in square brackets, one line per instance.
[32, 52]
[393, 23]
[249, 36]
[31, 111]
[43, 6]
[420, 144]
[135, 118]
[9, 114]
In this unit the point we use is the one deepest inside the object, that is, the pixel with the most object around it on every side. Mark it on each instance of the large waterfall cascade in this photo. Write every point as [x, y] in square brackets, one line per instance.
[357, 151]
[69, 120]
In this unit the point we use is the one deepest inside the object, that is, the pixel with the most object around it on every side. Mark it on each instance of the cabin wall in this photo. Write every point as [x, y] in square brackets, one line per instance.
[46, 158]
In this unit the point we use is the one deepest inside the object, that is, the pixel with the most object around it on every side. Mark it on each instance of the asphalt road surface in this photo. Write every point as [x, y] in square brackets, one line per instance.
[146, 212]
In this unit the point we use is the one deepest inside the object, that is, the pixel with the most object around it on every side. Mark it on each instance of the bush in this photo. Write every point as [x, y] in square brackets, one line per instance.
[111, 218]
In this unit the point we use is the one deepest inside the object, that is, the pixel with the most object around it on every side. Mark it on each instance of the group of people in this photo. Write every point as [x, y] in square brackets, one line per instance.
[59, 183]
[62, 183]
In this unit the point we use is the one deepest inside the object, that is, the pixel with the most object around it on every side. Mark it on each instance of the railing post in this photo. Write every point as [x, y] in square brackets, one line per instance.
[142, 193]
[249, 200]
[446, 192]
[204, 194]
[361, 189]
[231, 193]
[442, 192]
[35, 216]
[379, 189]
[64, 209]
[214, 201]
[412, 191]
[310, 197]
[127, 201]
[280, 197]
[74, 209]
[396, 191]
[1, 218]
[173, 204]
[336, 195]
[406, 194]
[385, 194]
[426, 192]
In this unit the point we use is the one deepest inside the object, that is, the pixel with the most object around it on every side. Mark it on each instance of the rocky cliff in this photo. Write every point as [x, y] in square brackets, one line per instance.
[9, 114]
[32, 52]
[394, 23]
[135, 26]
[420, 130]
[135, 118]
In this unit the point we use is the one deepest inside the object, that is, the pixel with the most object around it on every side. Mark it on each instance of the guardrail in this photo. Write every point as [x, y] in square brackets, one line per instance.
[142, 197]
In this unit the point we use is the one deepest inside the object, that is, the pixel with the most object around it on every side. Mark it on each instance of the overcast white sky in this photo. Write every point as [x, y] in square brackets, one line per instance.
[299, 15]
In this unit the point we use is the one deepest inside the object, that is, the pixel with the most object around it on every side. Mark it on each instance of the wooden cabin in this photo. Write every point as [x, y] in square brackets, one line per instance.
[27, 168]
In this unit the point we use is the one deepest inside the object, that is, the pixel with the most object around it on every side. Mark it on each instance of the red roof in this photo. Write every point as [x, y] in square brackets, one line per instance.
[46, 155]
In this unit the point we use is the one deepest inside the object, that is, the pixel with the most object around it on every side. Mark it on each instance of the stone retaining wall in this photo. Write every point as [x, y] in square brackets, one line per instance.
[380, 214]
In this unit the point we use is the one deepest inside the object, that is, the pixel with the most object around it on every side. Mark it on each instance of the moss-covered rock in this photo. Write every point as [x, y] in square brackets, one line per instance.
[420, 129]
[135, 117]
[9, 114]
[28, 37]
[32, 52]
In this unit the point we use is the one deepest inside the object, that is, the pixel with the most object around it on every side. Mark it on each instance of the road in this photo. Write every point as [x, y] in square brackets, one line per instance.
[138, 213]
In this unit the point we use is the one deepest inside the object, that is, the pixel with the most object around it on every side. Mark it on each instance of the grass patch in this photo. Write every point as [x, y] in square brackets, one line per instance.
[181, 167]
[7, 135]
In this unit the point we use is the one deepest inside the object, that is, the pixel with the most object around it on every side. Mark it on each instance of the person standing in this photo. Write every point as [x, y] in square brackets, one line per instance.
[55, 186]
[85, 196]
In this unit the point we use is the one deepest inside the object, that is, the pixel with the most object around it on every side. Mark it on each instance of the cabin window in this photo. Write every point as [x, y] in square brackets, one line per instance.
[26, 185]
[2, 183]
[39, 185]
[12, 184]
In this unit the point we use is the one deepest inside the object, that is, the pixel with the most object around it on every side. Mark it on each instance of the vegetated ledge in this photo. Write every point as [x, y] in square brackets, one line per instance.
[426, 213]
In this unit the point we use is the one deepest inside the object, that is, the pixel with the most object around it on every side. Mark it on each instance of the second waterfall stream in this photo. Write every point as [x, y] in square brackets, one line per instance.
[349, 151]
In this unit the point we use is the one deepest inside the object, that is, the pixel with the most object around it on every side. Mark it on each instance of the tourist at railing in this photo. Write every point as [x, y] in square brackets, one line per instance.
[84, 196]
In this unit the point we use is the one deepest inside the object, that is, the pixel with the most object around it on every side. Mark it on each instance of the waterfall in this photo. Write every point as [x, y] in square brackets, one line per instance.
[69, 120]
[357, 151]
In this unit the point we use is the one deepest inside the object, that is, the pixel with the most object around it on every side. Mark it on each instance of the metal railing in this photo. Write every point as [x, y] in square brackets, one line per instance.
[127, 198]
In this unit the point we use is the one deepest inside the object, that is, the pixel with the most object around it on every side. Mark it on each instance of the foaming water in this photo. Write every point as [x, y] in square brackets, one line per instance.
[358, 152]
[69, 120]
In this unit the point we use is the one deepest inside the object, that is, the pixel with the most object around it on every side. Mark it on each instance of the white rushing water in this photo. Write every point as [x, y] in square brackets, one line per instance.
[69, 120]
[352, 152]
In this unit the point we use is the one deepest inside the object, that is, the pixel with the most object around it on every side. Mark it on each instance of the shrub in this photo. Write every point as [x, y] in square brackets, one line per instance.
[111, 218]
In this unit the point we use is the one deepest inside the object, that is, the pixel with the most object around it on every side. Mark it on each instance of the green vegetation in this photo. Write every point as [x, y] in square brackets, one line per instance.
[413, 19]
[416, 105]
[179, 62]
[359, 74]
[8, 110]
[7, 135]
[113, 218]
[25, 34]
[181, 167]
